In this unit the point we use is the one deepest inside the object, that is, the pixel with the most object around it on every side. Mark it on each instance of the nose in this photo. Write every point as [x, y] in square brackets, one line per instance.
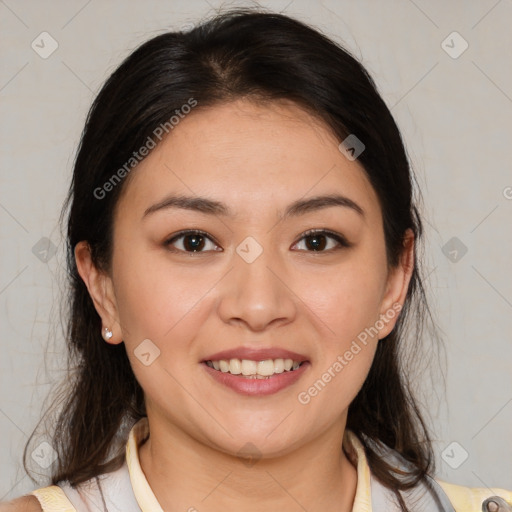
[257, 292]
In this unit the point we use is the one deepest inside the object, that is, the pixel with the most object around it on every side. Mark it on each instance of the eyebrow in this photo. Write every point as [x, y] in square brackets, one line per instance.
[212, 207]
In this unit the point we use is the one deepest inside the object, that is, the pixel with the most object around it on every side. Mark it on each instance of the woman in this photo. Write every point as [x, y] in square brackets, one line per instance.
[242, 244]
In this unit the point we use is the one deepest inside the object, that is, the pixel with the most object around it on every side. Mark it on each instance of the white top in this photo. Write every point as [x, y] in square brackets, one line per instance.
[127, 489]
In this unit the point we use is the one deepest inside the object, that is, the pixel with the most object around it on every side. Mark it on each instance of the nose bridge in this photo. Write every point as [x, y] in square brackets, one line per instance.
[255, 293]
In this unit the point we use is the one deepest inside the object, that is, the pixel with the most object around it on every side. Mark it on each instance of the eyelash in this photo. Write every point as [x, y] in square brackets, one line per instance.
[343, 243]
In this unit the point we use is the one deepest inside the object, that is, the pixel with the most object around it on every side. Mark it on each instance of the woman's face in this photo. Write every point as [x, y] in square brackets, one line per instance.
[252, 279]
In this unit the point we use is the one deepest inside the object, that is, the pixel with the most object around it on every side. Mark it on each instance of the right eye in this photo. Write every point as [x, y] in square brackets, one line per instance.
[191, 240]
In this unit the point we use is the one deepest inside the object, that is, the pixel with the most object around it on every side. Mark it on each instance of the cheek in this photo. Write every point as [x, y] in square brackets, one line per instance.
[160, 301]
[347, 308]
[167, 306]
[347, 300]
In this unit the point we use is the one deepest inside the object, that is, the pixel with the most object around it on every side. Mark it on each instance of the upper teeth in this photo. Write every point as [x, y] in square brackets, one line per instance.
[249, 367]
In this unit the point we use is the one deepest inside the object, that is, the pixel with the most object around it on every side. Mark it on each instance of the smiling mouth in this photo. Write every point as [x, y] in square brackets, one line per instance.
[250, 369]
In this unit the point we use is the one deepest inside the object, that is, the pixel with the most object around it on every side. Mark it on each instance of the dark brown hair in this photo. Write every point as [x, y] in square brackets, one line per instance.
[262, 56]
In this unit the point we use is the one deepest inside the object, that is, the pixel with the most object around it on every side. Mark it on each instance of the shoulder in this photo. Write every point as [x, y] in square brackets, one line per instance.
[472, 498]
[44, 499]
[23, 504]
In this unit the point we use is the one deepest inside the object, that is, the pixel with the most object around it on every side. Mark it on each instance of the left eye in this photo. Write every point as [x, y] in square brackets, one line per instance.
[317, 240]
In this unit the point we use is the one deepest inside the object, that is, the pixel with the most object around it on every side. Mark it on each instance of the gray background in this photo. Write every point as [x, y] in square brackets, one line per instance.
[453, 108]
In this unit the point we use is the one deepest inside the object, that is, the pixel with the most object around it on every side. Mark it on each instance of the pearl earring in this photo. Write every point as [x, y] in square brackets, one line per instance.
[107, 333]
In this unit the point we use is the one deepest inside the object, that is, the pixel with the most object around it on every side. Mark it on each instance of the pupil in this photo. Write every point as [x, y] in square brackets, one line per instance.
[316, 244]
[194, 242]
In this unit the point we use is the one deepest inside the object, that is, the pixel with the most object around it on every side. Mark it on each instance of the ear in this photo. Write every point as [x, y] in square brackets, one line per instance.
[397, 286]
[101, 290]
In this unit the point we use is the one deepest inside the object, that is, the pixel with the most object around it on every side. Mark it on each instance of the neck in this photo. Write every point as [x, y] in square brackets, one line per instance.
[185, 474]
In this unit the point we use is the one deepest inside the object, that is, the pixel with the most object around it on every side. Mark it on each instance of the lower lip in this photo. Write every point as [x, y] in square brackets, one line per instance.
[258, 387]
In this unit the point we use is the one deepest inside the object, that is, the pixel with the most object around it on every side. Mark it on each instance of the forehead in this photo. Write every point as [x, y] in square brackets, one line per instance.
[249, 155]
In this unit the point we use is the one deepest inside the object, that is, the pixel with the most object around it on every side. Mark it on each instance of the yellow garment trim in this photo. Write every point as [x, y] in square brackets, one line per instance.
[53, 499]
[363, 497]
[470, 499]
[141, 489]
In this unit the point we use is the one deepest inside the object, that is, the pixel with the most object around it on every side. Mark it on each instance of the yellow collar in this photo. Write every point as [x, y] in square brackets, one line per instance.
[148, 502]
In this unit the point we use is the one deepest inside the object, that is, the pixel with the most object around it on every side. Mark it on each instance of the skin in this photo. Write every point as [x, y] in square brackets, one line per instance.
[257, 159]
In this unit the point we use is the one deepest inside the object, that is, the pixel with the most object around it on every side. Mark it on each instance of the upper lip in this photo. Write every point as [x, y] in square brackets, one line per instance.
[256, 354]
